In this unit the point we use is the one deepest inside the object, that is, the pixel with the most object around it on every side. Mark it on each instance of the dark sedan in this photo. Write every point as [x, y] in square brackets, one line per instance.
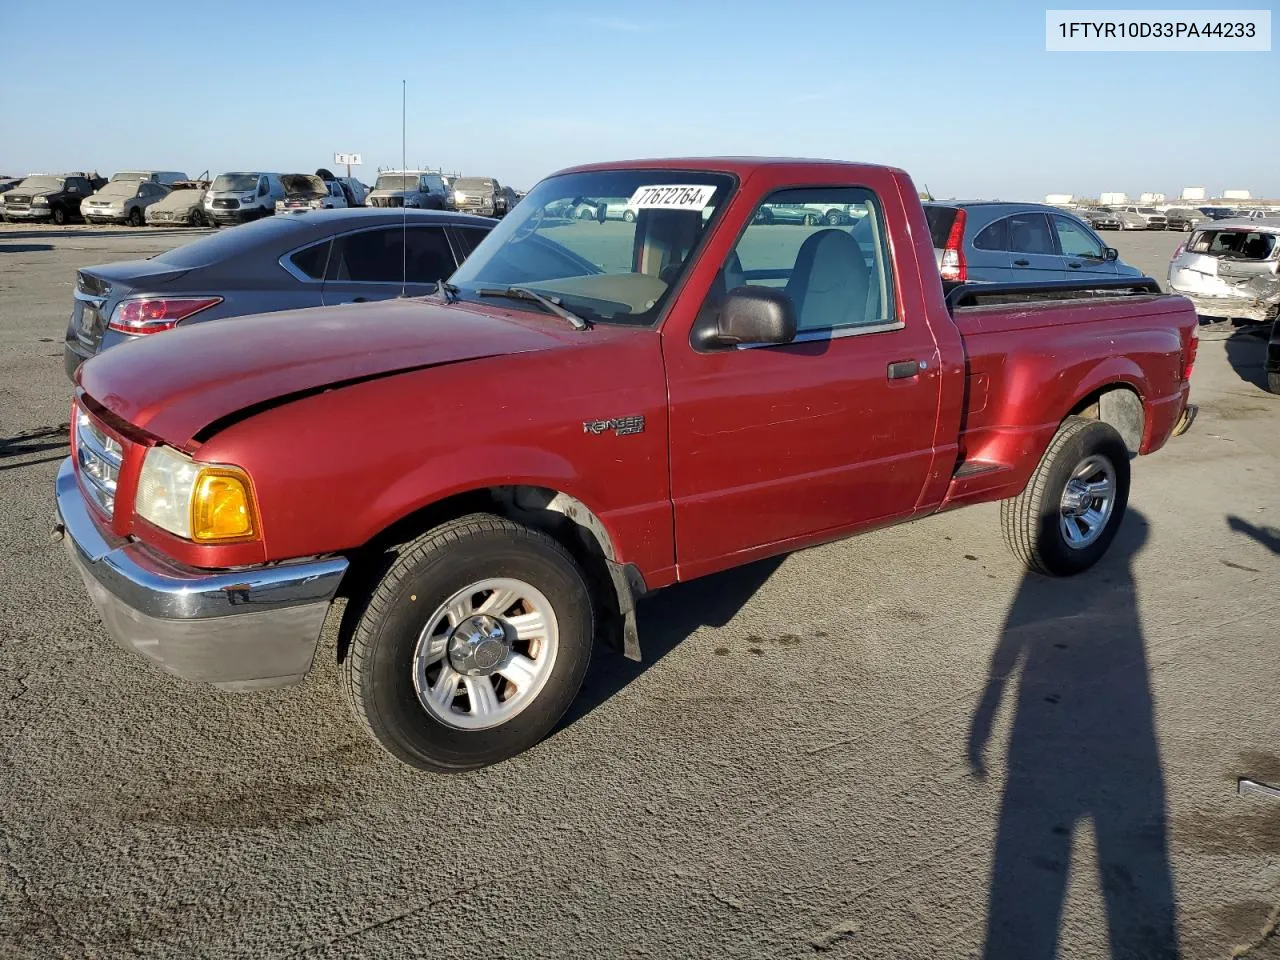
[278, 263]
[1100, 218]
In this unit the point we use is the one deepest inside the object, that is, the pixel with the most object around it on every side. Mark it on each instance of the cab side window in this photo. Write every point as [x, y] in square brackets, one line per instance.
[826, 248]
[994, 236]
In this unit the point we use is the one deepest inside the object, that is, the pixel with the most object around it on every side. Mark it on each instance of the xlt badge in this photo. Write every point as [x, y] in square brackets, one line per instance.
[621, 426]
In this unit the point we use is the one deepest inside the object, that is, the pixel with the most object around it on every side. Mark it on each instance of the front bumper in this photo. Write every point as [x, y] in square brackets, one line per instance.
[250, 628]
[103, 216]
[238, 215]
[31, 213]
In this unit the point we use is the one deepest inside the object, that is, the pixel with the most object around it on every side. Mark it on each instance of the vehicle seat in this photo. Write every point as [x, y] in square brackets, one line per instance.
[830, 281]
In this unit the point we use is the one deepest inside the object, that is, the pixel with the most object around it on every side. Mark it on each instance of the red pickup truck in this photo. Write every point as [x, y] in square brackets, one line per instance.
[590, 410]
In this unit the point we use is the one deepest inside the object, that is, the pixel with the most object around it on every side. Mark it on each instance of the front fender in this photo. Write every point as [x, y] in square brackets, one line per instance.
[479, 468]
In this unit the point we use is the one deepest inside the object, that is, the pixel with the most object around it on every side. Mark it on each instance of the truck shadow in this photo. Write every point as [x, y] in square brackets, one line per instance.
[25, 247]
[665, 619]
[1082, 751]
[1246, 352]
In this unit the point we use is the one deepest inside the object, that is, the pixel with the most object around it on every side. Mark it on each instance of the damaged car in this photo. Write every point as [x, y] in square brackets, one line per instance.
[307, 191]
[184, 205]
[1231, 270]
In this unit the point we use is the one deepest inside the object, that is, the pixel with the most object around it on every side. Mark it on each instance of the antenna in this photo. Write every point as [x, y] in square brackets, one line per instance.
[404, 211]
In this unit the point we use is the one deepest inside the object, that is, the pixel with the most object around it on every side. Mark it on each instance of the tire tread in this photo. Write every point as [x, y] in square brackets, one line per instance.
[409, 555]
[1020, 515]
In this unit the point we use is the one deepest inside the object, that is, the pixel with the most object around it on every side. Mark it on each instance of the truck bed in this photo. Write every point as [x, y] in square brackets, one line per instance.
[1011, 409]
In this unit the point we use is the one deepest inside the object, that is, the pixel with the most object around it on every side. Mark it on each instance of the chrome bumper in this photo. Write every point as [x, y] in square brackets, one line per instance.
[251, 628]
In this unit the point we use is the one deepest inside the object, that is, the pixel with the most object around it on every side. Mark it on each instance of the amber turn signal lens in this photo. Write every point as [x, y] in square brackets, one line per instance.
[222, 507]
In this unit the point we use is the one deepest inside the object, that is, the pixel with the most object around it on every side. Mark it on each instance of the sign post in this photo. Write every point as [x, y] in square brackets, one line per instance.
[349, 159]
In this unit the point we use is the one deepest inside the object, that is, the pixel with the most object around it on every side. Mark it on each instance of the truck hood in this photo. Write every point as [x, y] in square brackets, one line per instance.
[174, 385]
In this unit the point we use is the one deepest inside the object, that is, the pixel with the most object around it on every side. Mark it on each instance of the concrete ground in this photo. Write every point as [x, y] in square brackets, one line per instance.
[798, 767]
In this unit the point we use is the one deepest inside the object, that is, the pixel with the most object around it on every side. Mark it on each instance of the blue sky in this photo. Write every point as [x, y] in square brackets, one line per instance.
[962, 95]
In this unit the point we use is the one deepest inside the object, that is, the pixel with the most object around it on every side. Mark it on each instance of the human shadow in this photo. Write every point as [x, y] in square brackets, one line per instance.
[1247, 351]
[1083, 749]
[1269, 537]
[35, 441]
[665, 619]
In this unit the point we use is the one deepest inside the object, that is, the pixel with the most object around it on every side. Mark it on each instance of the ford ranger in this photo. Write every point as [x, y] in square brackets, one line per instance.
[591, 410]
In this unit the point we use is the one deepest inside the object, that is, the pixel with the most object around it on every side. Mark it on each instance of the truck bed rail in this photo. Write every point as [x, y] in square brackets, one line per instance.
[968, 294]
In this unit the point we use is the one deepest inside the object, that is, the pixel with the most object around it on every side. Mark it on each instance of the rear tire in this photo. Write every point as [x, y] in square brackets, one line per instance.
[1273, 381]
[1084, 456]
[385, 668]
[810, 219]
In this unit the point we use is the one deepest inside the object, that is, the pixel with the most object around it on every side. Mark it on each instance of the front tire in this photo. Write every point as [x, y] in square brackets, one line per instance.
[1273, 381]
[59, 216]
[810, 219]
[135, 217]
[472, 646]
[1066, 518]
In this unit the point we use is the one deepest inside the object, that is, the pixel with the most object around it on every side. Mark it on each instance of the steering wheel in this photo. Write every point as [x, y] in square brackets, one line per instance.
[529, 227]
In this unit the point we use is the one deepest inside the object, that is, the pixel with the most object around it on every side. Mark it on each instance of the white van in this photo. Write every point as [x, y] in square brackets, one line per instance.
[239, 196]
[165, 177]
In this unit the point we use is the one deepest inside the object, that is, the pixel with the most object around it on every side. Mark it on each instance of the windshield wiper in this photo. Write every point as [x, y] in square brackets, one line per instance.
[525, 293]
[447, 290]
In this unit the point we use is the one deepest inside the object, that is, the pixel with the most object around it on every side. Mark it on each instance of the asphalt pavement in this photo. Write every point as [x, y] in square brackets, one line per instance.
[862, 750]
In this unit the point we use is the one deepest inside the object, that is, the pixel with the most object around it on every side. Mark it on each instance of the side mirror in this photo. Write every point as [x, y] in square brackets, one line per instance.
[1111, 253]
[751, 315]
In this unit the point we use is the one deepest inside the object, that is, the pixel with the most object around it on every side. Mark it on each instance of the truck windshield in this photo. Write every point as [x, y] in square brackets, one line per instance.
[42, 183]
[235, 182]
[304, 183]
[609, 244]
[396, 183]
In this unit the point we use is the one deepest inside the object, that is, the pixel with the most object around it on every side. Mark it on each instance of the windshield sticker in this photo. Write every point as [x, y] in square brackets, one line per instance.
[672, 197]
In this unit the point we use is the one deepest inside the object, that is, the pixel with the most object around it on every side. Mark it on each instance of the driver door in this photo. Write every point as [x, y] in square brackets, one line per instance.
[773, 447]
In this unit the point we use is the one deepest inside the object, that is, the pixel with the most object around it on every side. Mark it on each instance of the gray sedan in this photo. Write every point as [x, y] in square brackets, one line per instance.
[278, 263]
[1018, 243]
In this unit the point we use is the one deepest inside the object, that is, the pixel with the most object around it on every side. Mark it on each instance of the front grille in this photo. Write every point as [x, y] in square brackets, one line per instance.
[98, 458]
[388, 201]
[226, 204]
[16, 198]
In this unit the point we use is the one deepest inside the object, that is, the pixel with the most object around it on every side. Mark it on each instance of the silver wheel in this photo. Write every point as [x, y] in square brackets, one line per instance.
[1087, 501]
[485, 654]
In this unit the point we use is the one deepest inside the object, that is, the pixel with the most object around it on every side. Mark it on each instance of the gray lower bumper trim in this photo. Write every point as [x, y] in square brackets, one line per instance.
[239, 628]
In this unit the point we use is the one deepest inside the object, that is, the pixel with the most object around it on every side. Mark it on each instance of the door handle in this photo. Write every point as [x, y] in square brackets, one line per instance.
[359, 300]
[902, 369]
[1022, 263]
[1073, 266]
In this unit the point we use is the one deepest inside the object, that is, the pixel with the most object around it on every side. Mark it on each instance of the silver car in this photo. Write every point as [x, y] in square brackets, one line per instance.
[1231, 269]
[123, 201]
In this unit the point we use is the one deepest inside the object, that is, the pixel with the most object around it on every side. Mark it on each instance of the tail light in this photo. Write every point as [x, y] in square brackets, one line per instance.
[154, 314]
[953, 265]
[1182, 247]
[1189, 360]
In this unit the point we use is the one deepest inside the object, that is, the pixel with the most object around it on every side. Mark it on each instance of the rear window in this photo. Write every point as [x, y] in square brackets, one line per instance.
[940, 221]
[228, 243]
[1234, 244]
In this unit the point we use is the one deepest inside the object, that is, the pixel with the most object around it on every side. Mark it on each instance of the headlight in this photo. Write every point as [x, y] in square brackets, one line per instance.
[316, 204]
[203, 502]
[39, 201]
[279, 204]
